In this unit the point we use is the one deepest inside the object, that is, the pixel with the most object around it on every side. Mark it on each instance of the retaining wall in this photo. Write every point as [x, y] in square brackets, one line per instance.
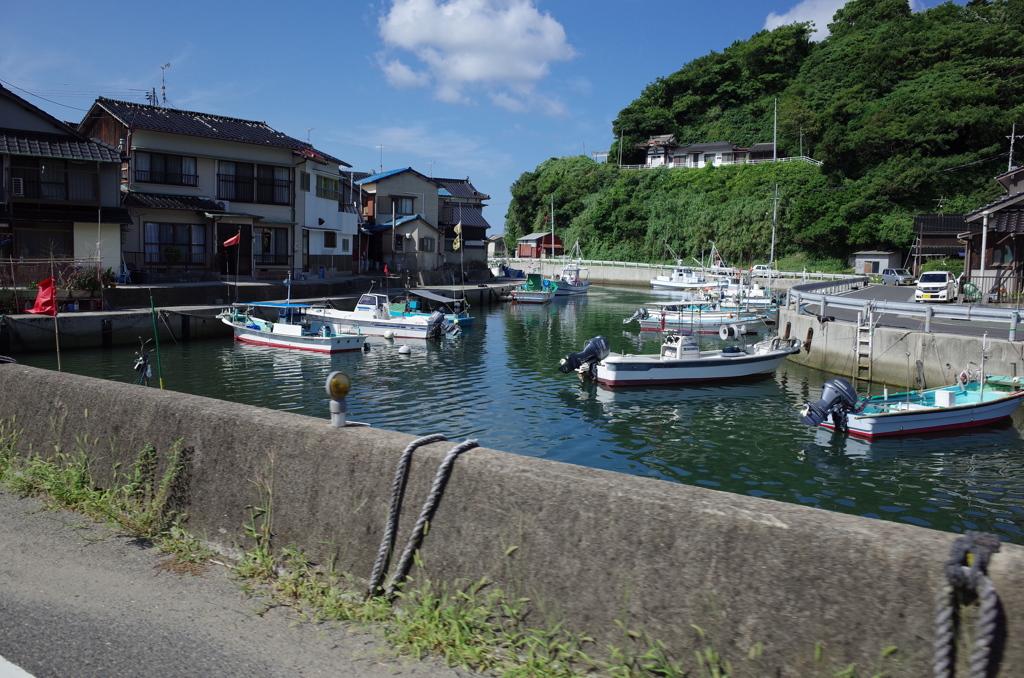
[591, 547]
[895, 352]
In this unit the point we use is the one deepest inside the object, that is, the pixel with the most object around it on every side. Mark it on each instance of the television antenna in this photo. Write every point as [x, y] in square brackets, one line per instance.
[163, 82]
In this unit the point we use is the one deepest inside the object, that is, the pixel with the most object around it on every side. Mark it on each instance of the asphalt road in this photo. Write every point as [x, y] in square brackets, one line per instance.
[906, 293]
[78, 600]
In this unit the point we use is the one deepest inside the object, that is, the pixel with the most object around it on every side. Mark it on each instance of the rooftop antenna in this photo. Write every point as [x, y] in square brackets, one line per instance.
[308, 130]
[381, 147]
[1013, 135]
[432, 163]
[163, 82]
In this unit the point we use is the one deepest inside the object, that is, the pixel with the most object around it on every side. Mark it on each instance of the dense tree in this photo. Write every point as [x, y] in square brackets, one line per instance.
[908, 112]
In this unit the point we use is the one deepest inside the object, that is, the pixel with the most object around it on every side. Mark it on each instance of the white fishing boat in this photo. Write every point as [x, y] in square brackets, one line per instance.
[535, 290]
[573, 279]
[372, 316]
[287, 327]
[680, 361]
[972, 401]
[685, 277]
[685, 318]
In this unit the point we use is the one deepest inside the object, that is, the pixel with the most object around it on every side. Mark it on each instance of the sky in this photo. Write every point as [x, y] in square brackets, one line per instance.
[485, 89]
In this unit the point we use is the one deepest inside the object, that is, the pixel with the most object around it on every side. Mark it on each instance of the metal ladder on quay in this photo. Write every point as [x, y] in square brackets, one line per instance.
[862, 348]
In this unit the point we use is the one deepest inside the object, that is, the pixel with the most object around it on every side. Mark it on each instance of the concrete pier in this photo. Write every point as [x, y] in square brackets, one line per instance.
[588, 547]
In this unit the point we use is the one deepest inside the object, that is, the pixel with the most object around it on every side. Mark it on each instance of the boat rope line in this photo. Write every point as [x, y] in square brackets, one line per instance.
[967, 575]
[444, 471]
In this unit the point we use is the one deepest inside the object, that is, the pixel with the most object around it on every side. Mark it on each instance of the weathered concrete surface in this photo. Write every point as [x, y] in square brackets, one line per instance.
[593, 546]
[895, 352]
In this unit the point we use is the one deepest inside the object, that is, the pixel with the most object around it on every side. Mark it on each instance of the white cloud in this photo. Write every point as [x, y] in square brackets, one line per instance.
[402, 76]
[502, 47]
[820, 12]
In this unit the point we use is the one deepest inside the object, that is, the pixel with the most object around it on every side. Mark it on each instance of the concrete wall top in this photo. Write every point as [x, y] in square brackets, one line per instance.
[592, 547]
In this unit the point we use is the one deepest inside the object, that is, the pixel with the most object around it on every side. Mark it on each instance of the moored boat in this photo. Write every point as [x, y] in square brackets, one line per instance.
[535, 290]
[372, 316]
[699, 319]
[969, 403]
[680, 361]
[573, 279]
[456, 311]
[289, 328]
[685, 278]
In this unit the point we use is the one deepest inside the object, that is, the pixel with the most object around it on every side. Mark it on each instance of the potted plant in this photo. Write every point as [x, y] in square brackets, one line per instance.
[172, 254]
[109, 278]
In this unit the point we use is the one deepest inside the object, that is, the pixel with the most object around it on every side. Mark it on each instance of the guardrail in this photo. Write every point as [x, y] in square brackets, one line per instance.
[828, 295]
[561, 260]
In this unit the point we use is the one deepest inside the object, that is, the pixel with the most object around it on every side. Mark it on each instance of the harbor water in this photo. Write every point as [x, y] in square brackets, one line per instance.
[499, 383]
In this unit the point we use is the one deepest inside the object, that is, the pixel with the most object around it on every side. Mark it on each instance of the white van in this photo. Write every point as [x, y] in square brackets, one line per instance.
[936, 286]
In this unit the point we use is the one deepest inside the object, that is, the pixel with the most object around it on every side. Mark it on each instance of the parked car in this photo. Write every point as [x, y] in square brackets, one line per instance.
[897, 276]
[763, 271]
[718, 268]
[937, 286]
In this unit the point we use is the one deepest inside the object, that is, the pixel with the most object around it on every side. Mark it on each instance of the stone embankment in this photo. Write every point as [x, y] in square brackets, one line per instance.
[600, 551]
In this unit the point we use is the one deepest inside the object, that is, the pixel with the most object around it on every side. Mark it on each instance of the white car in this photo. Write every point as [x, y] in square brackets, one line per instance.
[763, 271]
[936, 286]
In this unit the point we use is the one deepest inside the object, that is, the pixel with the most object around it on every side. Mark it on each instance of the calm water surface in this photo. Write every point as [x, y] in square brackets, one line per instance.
[499, 383]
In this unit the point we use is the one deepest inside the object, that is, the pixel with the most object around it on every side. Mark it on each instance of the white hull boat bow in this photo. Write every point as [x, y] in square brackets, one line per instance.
[372, 316]
[292, 329]
[680, 362]
[964, 405]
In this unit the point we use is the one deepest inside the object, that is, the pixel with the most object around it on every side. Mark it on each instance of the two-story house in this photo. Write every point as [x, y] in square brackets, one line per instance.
[60, 202]
[401, 212]
[461, 204]
[194, 180]
[664, 151]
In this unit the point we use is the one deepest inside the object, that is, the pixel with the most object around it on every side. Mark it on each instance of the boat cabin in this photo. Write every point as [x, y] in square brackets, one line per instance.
[677, 347]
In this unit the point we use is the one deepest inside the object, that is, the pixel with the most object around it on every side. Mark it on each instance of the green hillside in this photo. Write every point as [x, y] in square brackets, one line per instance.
[908, 112]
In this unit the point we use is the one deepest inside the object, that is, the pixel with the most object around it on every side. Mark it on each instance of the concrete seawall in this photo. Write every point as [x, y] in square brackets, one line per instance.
[895, 352]
[592, 547]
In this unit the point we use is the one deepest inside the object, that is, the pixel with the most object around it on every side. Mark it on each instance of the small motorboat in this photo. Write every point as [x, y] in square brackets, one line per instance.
[290, 327]
[686, 318]
[372, 316]
[535, 290]
[973, 401]
[573, 280]
[680, 361]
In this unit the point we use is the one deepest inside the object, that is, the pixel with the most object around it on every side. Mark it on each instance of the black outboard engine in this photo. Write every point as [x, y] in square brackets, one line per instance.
[837, 398]
[641, 314]
[594, 350]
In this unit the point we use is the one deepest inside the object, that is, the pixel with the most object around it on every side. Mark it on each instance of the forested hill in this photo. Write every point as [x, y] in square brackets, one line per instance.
[910, 112]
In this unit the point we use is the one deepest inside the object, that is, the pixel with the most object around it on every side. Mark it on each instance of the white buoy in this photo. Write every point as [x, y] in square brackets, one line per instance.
[389, 334]
[404, 350]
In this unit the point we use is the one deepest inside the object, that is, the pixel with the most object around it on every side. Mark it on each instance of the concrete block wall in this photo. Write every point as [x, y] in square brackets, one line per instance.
[593, 546]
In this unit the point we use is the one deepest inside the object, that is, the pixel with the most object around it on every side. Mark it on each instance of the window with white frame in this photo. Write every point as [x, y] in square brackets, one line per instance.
[403, 205]
[346, 246]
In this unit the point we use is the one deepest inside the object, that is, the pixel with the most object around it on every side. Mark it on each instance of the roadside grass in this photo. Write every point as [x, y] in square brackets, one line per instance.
[473, 625]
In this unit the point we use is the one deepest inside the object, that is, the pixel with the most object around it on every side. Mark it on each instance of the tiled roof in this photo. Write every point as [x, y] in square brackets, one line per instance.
[192, 123]
[1002, 202]
[469, 215]
[709, 146]
[171, 202]
[398, 222]
[24, 142]
[384, 175]
[461, 188]
[757, 148]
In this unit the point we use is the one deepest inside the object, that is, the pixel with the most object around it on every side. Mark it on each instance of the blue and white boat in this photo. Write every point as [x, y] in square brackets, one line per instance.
[456, 311]
[287, 326]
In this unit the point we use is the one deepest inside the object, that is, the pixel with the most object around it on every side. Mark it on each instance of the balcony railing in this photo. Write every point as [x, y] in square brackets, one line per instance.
[174, 178]
[54, 185]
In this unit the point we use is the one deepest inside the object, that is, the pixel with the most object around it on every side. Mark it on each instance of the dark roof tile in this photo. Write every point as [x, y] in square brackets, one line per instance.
[24, 142]
[171, 202]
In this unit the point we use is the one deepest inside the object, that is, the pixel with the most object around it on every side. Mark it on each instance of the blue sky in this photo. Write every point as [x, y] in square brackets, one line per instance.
[453, 88]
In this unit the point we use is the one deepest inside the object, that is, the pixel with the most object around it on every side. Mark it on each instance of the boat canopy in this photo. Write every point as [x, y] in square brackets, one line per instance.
[271, 304]
[433, 297]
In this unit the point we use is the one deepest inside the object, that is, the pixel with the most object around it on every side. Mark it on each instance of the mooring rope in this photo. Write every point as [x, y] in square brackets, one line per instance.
[429, 506]
[967, 575]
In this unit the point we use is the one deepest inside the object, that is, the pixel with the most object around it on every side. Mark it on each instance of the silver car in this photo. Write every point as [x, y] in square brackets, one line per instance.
[897, 276]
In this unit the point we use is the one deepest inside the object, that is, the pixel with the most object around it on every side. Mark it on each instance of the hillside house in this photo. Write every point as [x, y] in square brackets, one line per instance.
[664, 151]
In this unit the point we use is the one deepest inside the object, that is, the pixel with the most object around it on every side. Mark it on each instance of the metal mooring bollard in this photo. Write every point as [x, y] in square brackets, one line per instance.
[338, 385]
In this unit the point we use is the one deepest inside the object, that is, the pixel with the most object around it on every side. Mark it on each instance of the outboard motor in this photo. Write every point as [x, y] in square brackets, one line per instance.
[435, 322]
[641, 314]
[837, 398]
[594, 350]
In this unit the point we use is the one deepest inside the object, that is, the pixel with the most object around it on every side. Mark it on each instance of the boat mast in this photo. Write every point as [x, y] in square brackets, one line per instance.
[552, 225]
[775, 214]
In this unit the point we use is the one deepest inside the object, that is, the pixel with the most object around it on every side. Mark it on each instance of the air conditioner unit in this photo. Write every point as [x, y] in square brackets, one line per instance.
[224, 205]
[17, 187]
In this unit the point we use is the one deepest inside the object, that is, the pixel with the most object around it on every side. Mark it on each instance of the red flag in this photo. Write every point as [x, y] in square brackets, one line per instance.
[385, 269]
[233, 240]
[46, 299]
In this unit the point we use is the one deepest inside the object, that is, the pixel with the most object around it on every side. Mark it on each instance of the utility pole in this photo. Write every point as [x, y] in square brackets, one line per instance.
[775, 134]
[775, 215]
[1013, 135]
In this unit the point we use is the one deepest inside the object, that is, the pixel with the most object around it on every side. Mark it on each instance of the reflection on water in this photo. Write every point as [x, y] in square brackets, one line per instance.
[498, 382]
